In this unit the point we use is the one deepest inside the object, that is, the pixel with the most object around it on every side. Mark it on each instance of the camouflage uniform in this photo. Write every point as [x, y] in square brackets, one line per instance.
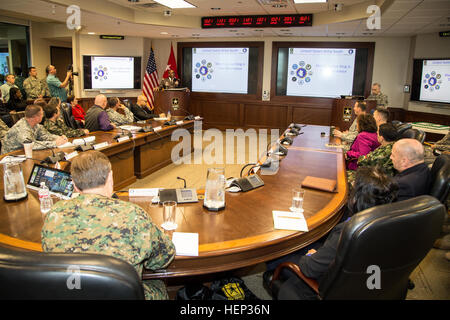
[382, 99]
[381, 156]
[3, 129]
[35, 87]
[444, 143]
[93, 223]
[60, 128]
[117, 118]
[22, 131]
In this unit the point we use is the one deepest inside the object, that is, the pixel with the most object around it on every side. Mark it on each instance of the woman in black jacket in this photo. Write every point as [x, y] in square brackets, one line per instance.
[16, 101]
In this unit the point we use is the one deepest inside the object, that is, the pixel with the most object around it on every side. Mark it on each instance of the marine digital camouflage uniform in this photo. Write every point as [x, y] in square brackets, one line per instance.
[93, 223]
[3, 129]
[444, 143]
[382, 99]
[381, 156]
[22, 131]
[60, 128]
[117, 118]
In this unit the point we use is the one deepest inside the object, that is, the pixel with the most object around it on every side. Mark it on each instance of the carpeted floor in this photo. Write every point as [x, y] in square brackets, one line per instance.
[431, 277]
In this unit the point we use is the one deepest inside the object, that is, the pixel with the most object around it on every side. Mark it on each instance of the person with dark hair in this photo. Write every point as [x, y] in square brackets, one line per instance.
[55, 125]
[381, 156]
[34, 87]
[77, 110]
[19, 81]
[350, 135]
[381, 115]
[372, 188]
[413, 177]
[29, 129]
[16, 102]
[117, 118]
[365, 142]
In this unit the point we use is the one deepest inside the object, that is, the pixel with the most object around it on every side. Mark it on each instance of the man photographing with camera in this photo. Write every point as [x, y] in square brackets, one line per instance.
[57, 88]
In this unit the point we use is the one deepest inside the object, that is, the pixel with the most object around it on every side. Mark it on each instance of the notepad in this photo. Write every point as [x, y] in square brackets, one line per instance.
[286, 220]
[83, 141]
[186, 244]
[66, 145]
[143, 192]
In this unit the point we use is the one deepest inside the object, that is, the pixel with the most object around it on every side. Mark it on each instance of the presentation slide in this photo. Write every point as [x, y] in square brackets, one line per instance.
[4, 63]
[112, 72]
[220, 70]
[316, 72]
[435, 84]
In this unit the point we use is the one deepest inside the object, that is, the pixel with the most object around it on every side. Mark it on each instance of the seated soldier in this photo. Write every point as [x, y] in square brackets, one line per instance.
[94, 222]
[117, 118]
[55, 125]
[3, 129]
[381, 156]
[29, 129]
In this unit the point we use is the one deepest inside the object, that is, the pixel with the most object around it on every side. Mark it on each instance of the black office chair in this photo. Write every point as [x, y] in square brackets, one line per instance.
[396, 123]
[417, 134]
[66, 111]
[38, 275]
[394, 237]
[440, 178]
[402, 127]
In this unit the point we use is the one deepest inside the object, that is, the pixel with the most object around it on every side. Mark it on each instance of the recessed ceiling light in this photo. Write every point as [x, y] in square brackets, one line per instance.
[175, 4]
[164, 32]
[91, 32]
[310, 1]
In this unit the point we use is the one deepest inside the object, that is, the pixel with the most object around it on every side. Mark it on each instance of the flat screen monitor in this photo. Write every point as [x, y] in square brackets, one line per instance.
[59, 182]
[220, 70]
[431, 80]
[109, 72]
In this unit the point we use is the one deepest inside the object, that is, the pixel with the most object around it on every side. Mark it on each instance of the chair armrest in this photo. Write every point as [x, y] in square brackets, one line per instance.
[296, 269]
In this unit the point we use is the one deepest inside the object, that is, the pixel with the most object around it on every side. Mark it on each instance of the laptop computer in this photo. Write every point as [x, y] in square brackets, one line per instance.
[59, 182]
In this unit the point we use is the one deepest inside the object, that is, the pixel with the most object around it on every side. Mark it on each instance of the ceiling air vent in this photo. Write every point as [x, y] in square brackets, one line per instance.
[273, 2]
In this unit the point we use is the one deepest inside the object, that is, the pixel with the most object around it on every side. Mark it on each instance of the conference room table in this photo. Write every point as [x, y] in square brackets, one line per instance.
[243, 233]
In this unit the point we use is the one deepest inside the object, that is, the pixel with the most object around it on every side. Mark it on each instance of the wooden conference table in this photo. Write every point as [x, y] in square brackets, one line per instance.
[239, 236]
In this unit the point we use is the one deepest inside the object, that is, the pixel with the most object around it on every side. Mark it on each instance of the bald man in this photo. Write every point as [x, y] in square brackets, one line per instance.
[96, 118]
[413, 177]
[141, 110]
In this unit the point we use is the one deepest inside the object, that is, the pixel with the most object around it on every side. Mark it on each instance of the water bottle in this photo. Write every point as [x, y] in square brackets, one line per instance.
[45, 198]
[215, 189]
[169, 116]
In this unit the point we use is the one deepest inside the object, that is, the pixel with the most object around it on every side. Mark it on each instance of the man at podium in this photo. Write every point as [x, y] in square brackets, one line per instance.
[170, 82]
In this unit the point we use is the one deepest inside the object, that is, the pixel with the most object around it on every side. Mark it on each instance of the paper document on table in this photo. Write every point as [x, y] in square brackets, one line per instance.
[130, 128]
[186, 244]
[143, 192]
[332, 145]
[287, 220]
[83, 141]
[160, 119]
[66, 145]
[19, 158]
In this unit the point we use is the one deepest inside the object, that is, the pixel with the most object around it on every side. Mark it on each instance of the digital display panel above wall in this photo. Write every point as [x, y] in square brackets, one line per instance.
[431, 80]
[259, 21]
[111, 72]
[322, 69]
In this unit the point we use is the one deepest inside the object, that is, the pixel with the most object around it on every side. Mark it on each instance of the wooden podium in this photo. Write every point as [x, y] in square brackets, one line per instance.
[174, 100]
[342, 115]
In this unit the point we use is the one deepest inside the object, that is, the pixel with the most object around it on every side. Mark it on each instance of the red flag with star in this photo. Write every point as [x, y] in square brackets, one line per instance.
[171, 64]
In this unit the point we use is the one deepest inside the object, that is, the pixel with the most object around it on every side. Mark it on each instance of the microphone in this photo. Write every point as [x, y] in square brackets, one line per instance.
[86, 147]
[190, 116]
[54, 158]
[179, 178]
[122, 134]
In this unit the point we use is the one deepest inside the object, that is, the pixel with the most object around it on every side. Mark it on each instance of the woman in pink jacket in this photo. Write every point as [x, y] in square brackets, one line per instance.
[365, 142]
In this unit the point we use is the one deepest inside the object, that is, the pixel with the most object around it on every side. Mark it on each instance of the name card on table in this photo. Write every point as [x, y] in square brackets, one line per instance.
[159, 128]
[143, 192]
[123, 139]
[179, 122]
[71, 155]
[100, 145]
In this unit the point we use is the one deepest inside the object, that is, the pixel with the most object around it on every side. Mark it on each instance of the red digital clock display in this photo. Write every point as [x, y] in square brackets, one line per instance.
[285, 20]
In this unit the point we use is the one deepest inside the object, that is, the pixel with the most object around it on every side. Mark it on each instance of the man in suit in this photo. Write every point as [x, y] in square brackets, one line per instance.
[141, 110]
[413, 177]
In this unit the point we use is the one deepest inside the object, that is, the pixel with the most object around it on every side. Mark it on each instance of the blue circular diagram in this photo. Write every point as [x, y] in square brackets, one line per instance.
[203, 70]
[301, 73]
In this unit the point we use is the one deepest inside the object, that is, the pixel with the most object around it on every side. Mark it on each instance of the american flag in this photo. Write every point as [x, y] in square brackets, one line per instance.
[150, 79]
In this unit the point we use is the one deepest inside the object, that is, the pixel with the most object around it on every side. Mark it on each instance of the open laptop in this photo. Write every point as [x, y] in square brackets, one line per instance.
[59, 182]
